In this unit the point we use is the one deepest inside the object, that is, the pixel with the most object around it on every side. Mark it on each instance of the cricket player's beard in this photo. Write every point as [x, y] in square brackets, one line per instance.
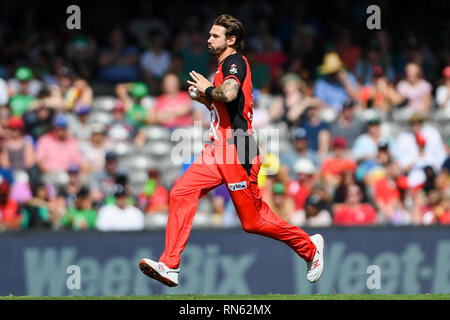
[216, 51]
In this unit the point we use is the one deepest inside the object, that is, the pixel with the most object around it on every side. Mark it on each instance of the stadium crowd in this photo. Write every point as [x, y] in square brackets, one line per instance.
[86, 118]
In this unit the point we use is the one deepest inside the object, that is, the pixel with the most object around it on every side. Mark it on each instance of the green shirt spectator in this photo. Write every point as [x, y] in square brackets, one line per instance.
[20, 103]
[82, 215]
[78, 219]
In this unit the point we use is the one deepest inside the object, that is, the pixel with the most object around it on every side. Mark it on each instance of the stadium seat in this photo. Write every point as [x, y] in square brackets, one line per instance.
[100, 117]
[57, 178]
[104, 103]
[118, 133]
[123, 148]
[157, 133]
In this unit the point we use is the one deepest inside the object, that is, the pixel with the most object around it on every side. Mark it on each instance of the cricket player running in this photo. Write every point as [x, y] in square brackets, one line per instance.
[233, 158]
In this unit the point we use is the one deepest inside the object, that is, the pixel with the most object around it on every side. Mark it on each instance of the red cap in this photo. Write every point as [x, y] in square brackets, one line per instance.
[15, 123]
[119, 106]
[339, 142]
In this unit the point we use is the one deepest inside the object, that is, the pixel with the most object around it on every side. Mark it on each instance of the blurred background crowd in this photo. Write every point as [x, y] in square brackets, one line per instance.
[362, 117]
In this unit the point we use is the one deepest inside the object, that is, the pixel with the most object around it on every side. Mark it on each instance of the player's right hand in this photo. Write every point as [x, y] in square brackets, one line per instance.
[201, 97]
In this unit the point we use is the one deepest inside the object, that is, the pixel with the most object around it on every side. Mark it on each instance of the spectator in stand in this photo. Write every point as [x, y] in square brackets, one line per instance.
[380, 95]
[334, 166]
[102, 183]
[443, 91]
[366, 68]
[57, 150]
[5, 114]
[443, 209]
[39, 118]
[347, 179]
[93, 151]
[300, 188]
[69, 91]
[120, 129]
[155, 197]
[316, 212]
[317, 131]
[4, 92]
[81, 216]
[74, 91]
[293, 102]
[39, 212]
[173, 107]
[68, 192]
[119, 60]
[280, 202]
[9, 210]
[354, 212]
[220, 201]
[17, 150]
[22, 91]
[433, 146]
[272, 57]
[387, 197]
[156, 61]
[194, 56]
[337, 85]
[81, 52]
[79, 126]
[346, 48]
[366, 145]
[301, 149]
[347, 124]
[415, 88]
[134, 95]
[372, 169]
[120, 216]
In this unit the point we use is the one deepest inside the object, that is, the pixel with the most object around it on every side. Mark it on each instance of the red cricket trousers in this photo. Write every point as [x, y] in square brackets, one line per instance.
[218, 164]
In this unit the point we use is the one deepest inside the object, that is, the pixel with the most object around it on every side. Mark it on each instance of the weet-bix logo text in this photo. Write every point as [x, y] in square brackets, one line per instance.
[237, 186]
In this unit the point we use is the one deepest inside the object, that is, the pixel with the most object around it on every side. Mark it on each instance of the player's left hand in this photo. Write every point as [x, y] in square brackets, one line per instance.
[199, 81]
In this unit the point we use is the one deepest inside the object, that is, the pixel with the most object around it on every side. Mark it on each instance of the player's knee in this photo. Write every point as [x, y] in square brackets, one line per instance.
[175, 192]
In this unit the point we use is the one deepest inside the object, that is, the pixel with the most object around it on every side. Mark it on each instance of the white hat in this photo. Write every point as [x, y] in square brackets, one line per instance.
[304, 165]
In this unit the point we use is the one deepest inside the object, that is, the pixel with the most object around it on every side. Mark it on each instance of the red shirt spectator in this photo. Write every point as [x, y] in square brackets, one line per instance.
[155, 197]
[338, 163]
[385, 191]
[9, 209]
[353, 212]
[173, 108]
[300, 189]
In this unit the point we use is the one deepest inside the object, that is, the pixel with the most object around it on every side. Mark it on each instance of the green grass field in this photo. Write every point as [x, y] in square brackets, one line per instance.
[249, 297]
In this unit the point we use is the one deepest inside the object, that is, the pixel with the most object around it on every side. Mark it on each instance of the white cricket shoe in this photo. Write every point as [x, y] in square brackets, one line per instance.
[314, 268]
[159, 271]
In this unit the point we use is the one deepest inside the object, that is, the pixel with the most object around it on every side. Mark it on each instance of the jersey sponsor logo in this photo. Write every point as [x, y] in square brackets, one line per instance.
[233, 69]
[237, 186]
[214, 121]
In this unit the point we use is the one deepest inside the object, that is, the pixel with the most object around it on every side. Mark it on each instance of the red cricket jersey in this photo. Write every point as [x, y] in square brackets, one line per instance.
[236, 115]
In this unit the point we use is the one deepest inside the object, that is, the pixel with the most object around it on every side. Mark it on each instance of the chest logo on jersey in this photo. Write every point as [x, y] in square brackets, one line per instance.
[237, 186]
[233, 69]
